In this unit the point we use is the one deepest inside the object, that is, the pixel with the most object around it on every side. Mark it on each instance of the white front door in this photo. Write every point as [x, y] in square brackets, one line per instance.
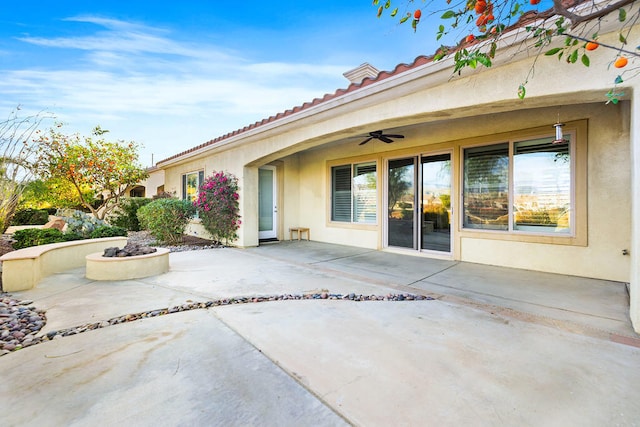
[267, 208]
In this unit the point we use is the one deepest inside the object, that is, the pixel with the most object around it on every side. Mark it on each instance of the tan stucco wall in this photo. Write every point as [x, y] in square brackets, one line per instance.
[634, 280]
[434, 108]
[608, 213]
[151, 184]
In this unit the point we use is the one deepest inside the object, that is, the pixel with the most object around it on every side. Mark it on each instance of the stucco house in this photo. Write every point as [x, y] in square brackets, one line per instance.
[478, 175]
[152, 186]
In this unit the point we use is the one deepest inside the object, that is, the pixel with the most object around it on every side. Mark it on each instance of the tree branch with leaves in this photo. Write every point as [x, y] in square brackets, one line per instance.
[16, 159]
[110, 168]
[477, 26]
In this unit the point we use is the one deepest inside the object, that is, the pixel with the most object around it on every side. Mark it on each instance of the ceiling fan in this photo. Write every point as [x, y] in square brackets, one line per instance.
[384, 137]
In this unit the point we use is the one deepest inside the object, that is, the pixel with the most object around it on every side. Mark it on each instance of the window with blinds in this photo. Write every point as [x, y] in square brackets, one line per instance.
[354, 193]
[486, 187]
[341, 193]
[519, 186]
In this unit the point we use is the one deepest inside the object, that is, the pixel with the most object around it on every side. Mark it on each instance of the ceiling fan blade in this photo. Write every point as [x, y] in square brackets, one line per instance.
[366, 140]
[393, 136]
[385, 139]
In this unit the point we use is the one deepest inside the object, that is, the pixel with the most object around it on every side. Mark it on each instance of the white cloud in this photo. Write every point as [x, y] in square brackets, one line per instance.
[120, 36]
[139, 79]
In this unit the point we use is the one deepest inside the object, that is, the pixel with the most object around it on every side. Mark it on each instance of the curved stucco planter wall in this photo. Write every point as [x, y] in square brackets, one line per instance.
[125, 268]
[24, 268]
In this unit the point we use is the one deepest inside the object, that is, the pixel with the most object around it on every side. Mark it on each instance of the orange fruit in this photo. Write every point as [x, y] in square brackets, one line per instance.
[482, 20]
[481, 6]
[534, 2]
[417, 14]
[621, 62]
[470, 38]
[591, 46]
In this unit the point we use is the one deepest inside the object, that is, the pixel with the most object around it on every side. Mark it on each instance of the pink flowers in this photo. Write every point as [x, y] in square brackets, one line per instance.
[218, 206]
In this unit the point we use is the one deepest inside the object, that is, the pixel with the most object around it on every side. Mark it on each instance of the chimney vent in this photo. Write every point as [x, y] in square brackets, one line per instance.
[357, 75]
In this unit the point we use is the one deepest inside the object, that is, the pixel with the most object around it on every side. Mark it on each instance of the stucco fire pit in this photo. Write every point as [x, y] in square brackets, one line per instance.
[100, 267]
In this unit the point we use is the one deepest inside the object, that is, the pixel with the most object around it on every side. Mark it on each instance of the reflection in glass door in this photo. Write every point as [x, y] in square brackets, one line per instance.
[436, 203]
[267, 209]
[419, 209]
[401, 197]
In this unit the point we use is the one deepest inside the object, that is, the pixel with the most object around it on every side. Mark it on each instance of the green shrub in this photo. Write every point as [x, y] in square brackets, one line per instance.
[30, 217]
[126, 214]
[41, 236]
[107, 231]
[166, 219]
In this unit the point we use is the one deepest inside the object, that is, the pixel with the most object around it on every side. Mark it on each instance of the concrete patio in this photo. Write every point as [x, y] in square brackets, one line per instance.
[496, 346]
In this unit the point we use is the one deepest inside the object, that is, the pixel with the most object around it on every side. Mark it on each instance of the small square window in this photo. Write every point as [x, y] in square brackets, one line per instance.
[354, 193]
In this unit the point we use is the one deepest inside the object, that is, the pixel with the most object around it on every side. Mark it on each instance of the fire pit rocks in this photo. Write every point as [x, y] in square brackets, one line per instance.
[130, 249]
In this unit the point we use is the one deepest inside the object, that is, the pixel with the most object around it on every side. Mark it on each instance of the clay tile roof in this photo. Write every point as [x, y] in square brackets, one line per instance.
[526, 18]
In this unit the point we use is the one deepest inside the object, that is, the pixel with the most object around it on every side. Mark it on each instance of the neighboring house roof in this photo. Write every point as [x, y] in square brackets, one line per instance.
[525, 19]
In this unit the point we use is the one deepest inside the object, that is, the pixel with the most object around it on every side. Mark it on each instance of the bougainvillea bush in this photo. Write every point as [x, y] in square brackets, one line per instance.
[218, 206]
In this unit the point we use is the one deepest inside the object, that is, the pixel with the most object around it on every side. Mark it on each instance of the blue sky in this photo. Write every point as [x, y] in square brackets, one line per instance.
[172, 75]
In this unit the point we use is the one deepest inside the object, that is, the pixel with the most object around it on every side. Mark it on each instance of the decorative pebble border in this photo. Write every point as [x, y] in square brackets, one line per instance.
[20, 322]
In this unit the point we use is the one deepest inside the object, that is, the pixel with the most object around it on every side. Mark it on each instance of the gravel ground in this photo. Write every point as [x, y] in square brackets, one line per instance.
[20, 322]
[189, 243]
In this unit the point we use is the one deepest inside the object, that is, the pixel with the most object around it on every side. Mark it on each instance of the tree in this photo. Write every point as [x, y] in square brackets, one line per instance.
[479, 25]
[16, 159]
[52, 193]
[109, 168]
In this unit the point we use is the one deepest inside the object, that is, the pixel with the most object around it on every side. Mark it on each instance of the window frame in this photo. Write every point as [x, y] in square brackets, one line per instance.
[352, 166]
[578, 169]
[185, 180]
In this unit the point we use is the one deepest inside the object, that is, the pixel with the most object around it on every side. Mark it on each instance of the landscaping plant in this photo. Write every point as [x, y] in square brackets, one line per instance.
[126, 214]
[58, 192]
[41, 236]
[30, 217]
[166, 219]
[108, 231]
[109, 168]
[218, 206]
[16, 155]
[79, 222]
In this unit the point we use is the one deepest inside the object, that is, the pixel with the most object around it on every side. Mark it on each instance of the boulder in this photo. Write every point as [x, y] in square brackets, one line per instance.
[111, 252]
[57, 223]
